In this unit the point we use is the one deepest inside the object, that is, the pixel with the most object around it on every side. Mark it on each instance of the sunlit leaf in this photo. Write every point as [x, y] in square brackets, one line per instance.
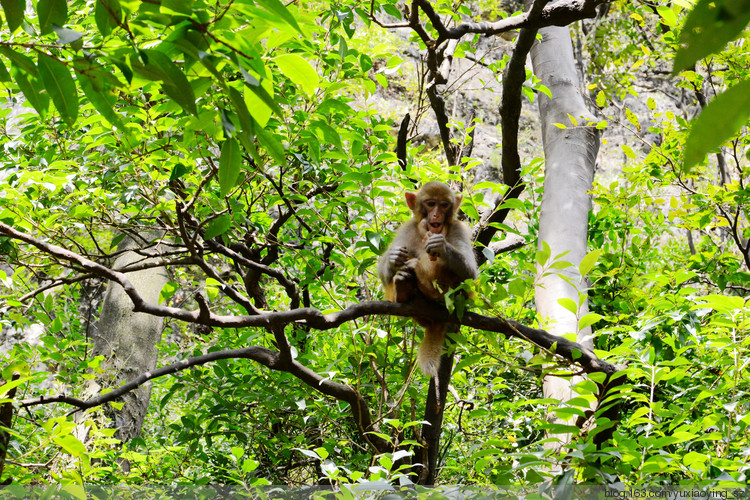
[61, 87]
[568, 304]
[51, 12]
[668, 16]
[277, 8]
[299, 71]
[708, 28]
[259, 108]
[588, 261]
[218, 226]
[628, 151]
[717, 123]
[108, 15]
[14, 11]
[230, 165]
[588, 320]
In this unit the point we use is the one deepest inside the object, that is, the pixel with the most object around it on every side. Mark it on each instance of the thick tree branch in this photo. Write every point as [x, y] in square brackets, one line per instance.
[312, 317]
[403, 131]
[559, 13]
[266, 357]
[510, 115]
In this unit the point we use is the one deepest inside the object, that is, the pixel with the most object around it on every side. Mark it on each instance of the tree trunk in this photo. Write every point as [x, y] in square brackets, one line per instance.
[127, 340]
[570, 155]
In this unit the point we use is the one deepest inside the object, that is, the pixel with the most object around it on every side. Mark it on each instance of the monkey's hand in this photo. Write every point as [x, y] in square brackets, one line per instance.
[408, 271]
[397, 257]
[435, 245]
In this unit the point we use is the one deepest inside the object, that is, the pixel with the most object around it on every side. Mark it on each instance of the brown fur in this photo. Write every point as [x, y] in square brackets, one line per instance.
[430, 254]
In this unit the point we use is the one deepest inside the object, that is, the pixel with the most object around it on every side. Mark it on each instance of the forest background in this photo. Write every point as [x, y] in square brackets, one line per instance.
[195, 196]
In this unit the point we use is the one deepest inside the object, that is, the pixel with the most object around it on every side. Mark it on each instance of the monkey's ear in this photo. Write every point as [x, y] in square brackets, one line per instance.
[457, 203]
[411, 200]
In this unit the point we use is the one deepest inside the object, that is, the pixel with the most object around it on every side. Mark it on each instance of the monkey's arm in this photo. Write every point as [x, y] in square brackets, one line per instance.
[391, 262]
[457, 251]
[460, 259]
[401, 250]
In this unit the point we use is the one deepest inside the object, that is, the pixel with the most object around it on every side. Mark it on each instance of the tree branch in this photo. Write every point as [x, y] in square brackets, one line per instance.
[510, 115]
[566, 349]
[266, 357]
[315, 319]
[560, 13]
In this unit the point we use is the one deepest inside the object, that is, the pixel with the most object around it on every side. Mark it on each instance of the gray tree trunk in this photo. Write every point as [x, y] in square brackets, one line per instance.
[570, 156]
[127, 340]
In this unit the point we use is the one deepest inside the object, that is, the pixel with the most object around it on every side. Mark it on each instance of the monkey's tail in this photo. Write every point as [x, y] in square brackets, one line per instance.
[431, 348]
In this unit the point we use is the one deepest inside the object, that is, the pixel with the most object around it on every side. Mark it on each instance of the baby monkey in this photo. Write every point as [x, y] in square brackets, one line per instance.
[430, 254]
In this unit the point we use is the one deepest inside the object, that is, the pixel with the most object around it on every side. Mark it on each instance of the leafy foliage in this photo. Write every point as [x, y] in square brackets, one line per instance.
[248, 134]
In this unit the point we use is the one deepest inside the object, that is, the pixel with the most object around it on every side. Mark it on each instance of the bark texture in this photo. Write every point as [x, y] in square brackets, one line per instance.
[128, 339]
[570, 155]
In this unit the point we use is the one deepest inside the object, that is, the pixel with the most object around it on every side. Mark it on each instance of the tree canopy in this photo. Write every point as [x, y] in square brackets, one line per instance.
[235, 169]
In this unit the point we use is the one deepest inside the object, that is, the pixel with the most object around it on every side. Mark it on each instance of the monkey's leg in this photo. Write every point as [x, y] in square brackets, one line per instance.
[404, 283]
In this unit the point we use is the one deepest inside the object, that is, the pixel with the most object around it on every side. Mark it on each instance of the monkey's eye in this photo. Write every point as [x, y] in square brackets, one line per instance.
[430, 203]
[445, 205]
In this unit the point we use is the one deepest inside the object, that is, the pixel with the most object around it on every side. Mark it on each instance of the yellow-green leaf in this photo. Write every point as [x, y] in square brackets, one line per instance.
[230, 165]
[299, 71]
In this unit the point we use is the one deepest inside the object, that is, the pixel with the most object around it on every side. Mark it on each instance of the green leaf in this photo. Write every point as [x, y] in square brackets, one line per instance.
[218, 226]
[184, 7]
[71, 444]
[32, 89]
[96, 89]
[157, 66]
[7, 386]
[74, 491]
[543, 255]
[257, 105]
[230, 165]
[14, 10]
[517, 287]
[299, 71]
[568, 304]
[328, 133]
[176, 84]
[67, 36]
[277, 8]
[717, 123]
[262, 88]
[61, 87]
[51, 12]
[20, 61]
[708, 28]
[178, 171]
[237, 452]
[271, 143]
[668, 16]
[587, 263]
[724, 303]
[588, 320]
[246, 122]
[4, 75]
[108, 15]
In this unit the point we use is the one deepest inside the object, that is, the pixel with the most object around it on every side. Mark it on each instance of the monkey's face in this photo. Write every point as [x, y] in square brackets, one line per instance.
[436, 213]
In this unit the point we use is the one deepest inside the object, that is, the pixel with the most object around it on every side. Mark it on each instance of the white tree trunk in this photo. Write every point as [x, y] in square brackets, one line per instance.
[570, 156]
[127, 340]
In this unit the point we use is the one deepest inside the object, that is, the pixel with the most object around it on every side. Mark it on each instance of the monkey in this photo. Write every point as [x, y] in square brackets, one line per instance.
[430, 254]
